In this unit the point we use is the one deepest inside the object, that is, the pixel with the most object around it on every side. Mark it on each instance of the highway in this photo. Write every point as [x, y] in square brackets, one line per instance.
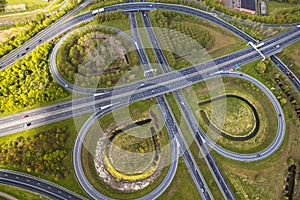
[50, 32]
[38, 185]
[169, 120]
[153, 86]
[151, 89]
[190, 119]
[227, 60]
[284, 69]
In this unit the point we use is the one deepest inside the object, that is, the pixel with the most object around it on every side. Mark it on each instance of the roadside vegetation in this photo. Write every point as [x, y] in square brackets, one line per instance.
[20, 193]
[290, 56]
[31, 28]
[30, 4]
[279, 8]
[285, 17]
[28, 83]
[182, 186]
[198, 37]
[275, 80]
[41, 142]
[41, 153]
[198, 156]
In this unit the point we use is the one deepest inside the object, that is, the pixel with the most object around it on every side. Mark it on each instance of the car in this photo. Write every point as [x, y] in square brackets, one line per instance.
[293, 78]
[258, 155]
[25, 116]
[241, 74]
[27, 48]
[228, 66]
[279, 115]
[23, 54]
[287, 71]
[277, 46]
[26, 125]
[40, 41]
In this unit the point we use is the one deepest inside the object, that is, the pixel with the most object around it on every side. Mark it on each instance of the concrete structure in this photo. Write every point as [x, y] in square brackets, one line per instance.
[263, 8]
[248, 6]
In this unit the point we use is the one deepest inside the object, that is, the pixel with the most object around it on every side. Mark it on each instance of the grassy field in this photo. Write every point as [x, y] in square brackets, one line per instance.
[223, 111]
[30, 4]
[182, 186]
[126, 153]
[224, 43]
[19, 193]
[70, 181]
[275, 8]
[239, 120]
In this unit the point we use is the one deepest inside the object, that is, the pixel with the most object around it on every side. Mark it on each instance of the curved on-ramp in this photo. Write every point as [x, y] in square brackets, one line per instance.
[85, 182]
[274, 146]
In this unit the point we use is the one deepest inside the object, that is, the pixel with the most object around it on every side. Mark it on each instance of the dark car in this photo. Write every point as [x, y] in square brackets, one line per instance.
[25, 116]
[26, 125]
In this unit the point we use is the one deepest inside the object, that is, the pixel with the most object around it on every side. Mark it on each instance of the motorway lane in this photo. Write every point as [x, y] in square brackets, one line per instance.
[282, 67]
[240, 57]
[169, 119]
[190, 119]
[38, 185]
[173, 128]
[38, 39]
[174, 80]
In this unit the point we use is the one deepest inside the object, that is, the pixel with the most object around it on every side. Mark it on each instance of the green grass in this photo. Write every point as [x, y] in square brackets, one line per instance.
[239, 120]
[19, 193]
[30, 4]
[182, 186]
[70, 181]
[267, 115]
[274, 8]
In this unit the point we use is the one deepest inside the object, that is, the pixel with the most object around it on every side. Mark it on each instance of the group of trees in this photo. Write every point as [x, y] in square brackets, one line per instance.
[42, 153]
[31, 27]
[109, 16]
[279, 84]
[94, 58]
[28, 82]
[173, 20]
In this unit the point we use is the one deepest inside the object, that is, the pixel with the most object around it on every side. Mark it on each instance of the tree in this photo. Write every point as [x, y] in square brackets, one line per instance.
[283, 101]
[261, 67]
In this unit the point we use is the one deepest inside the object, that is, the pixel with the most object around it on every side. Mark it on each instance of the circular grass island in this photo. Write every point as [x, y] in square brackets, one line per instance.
[97, 57]
[249, 123]
[127, 159]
